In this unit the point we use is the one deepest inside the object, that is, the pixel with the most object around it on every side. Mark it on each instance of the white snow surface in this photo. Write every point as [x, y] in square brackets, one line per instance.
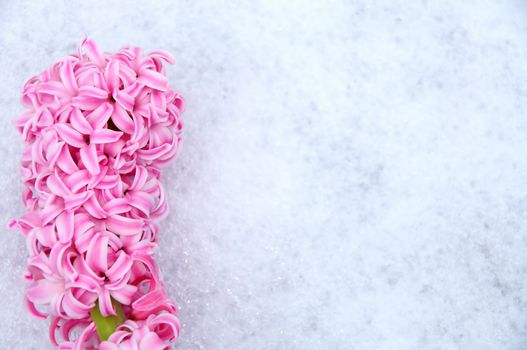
[353, 174]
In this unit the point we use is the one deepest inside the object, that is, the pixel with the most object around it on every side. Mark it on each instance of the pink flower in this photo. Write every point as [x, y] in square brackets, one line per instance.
[156, 333]
[98, 127]
[56, 284]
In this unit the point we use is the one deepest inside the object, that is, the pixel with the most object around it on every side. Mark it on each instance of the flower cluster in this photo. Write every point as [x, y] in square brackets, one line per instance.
[98, 127]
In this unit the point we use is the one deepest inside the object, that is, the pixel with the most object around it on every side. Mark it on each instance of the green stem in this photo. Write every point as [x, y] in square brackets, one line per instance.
[107, 325]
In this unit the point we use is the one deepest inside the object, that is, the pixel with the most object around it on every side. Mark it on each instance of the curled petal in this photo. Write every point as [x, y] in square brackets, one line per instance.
[164, 55]
[124, 226]
[89, 158]
[153, 79]
[106, 345]
[154, 153]
[97, 254]
[33, 310]
[117, 206]
[105, 136]
[124, 100]
[141, 175]
[120, 267]
[76, 200]
[74, 308]
[165, 325]
[93, 92]
[65, 161]
[152, 341]
[53, 88]
[92, 51]
[51, 211]
[142, 201]
[79, 122]
[70, 135]
[57, 186]
[68, 77]
[111, 74]
[44, 291]
[77, 180]
[124, 294]
[105, 304]
[94, 208]
[122, 119]
[64, 225]
[98, 117]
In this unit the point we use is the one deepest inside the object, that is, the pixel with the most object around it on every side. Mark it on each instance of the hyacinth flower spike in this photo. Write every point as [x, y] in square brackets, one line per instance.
[98, 129]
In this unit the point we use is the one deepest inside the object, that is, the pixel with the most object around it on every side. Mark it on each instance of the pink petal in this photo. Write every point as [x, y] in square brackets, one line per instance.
[44, 291]
[88, 155]
[82, 223]
[93, 52]
[64, 226]
[53, 152]
[97, 254]
[88, 280]
[106, 345]
[125, 100]
[93, 92]
[141, 200]
[67, 269]
[96, 179]
[46, 236]
[114, 149]
[44, 117]
[111, 74]
[100, 115]
[153, 79]
[51, 211]
[154, 153]
[101, 136]
[79, 122]
[57, 186]
[117, 206]
[125, 294]
[154, 301]
[84, 336]
[152, 342]
[73, 307]
[165, 325]
[105, 304]
[94, 208]
[77, 180]
[120, 267]
[124, 226]
[76, 200]
[70, 135]
[109, 182]
[139, 128]
[164, 55]
[53, 88]
[86, 103]
[122, 119]
[67, 76]
[65, 162]
[141, 175]
[39, 264]
[159, 100]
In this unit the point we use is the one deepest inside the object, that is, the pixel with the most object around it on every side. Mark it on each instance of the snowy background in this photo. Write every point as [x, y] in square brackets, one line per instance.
[353, 176]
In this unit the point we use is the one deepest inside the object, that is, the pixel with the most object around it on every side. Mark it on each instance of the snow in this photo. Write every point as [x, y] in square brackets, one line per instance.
[352, 175]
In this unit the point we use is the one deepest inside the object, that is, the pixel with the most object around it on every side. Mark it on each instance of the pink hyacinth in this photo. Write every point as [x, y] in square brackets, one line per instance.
[98, 127]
